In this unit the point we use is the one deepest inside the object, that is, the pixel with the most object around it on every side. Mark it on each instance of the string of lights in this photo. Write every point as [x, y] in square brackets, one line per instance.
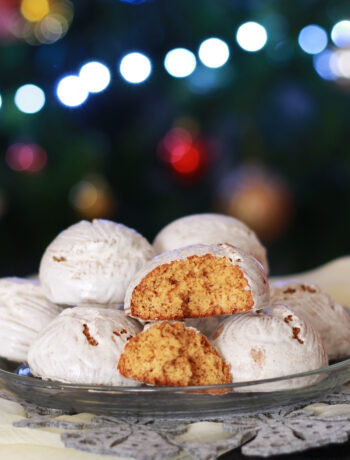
[330, 63]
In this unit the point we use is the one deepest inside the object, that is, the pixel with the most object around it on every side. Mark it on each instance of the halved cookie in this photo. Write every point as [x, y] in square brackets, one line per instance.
[197, 281]
[173, 355]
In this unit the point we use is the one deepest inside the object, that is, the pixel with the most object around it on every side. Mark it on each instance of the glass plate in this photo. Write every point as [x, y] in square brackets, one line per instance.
[204, 401]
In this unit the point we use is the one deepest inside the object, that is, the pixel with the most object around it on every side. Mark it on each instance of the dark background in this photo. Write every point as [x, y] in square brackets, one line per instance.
[271, 135]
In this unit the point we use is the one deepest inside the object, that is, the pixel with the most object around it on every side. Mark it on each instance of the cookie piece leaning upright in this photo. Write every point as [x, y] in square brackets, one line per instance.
[92, 262]
[197, 281]
[173, 355]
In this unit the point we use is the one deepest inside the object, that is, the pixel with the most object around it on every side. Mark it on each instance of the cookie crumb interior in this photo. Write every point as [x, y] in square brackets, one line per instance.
[192, 288]
[171, 354]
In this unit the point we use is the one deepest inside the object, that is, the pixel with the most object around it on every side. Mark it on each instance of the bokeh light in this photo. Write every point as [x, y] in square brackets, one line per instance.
[343, 58]
[185, 159]
[341, 34]
[340, 63]
[92, 197]
[71, 91]
[0, 101]
[51, 29]
[95, 76]
[214, 52]
[29, 98]
[180, 62]
[8, 20]
[323, 67]
[26, 157]
[258, 197]
[135, 67]
[176, 140]
[205, 79]
[184, 152]
[251, 36]
[43, 21]
[35, 10]
[312, 39]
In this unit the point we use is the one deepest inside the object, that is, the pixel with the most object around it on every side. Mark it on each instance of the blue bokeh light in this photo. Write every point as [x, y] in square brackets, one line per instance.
[180, 62]
[323, 65]
[135, 67]
[71, 91]
[205, 79]
[95, 76]
[313, 39]
[29, 99]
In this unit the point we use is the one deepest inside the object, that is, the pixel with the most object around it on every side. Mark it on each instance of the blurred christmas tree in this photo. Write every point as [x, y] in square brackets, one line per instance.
[164, 122]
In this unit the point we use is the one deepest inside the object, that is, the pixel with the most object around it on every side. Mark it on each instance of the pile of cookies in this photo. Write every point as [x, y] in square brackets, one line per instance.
[194, 308]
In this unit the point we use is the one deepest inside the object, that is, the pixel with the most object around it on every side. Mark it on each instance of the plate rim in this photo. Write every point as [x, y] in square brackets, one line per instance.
[33, 381]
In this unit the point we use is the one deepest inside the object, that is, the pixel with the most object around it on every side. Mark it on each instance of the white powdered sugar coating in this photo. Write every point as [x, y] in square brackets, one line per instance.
[210, 229]
[328, 317]
[83, 345]
[24, 312]
[252, 270]
[92, 262]
[272, 343]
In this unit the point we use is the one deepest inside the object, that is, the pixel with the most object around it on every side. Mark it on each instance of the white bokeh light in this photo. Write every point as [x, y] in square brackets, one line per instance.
[71, 91]
[312, 39]
[340, 63]
[343, 57]
[214, 52]
[180, 62]
[0, 101]
[135, 67]
[29, 99]
[95, 76]
[251, 36]
[341, 34]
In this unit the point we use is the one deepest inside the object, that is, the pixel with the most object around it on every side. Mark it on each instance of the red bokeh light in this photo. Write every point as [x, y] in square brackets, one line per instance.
[175, 142]
[9, 18]
[26, 157]
[186, 156]
[187, 162]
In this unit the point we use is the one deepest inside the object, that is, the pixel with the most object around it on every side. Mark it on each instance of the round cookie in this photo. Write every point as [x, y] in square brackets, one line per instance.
[197, 281]
[329, 318]
[92, 262]
[168, 353]
[274, 342]
[24, 312]
[83, 345]
[210, 229]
